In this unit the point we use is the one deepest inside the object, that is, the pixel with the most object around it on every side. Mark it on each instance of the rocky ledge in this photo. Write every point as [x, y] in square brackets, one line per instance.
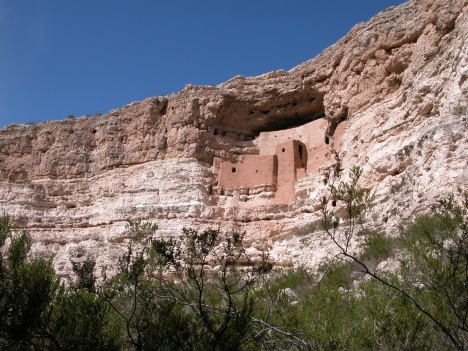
[255, 153]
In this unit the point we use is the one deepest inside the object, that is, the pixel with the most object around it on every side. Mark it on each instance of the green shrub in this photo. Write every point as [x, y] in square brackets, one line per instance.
[460, 110]
[219, 298]
[377, 247]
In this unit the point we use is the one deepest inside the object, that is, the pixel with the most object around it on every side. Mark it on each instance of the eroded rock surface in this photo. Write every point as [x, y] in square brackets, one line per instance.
[391, 96]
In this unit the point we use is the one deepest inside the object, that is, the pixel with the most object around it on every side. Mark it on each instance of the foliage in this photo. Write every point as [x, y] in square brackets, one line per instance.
[139, 229]
[212, 284]
[147, 316]
[460, 110]
[202, 291]
[356, 200]
[338, 165]
[335, 309]
[377, 247]
[37, 312]
[205, 302]
[83, 321]
[27, 288]
[85, 273]
[434, 257]
[437, 270]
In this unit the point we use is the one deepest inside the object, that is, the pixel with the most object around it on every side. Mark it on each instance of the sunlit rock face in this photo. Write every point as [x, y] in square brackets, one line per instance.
[391, 97]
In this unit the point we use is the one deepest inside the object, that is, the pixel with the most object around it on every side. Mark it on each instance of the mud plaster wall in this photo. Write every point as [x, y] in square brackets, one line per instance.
[282, 159]
[313, 135]
[255, 170]
[292, 163]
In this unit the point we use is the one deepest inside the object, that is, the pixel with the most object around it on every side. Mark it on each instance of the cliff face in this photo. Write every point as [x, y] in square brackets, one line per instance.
[390, 96]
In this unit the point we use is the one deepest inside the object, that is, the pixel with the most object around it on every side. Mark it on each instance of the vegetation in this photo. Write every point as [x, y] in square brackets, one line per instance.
[433, 258]
[37, 311]
[460, 110]
[201, 291]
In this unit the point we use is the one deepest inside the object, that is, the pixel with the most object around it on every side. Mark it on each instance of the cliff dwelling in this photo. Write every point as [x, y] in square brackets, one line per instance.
[285, 157]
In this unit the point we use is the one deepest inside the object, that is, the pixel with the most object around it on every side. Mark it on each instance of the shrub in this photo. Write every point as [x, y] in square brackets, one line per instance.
[460, 110]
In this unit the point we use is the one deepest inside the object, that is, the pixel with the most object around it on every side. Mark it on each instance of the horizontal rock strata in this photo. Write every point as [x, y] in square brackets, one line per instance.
[391, 96]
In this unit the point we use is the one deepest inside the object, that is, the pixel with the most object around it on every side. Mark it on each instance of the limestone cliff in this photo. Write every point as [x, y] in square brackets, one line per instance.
[391, 96]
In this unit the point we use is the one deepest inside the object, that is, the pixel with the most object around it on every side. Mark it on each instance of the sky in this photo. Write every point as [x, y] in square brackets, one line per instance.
[62, 57]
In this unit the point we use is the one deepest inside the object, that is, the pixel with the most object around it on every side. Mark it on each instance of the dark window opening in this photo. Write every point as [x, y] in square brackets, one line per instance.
[327, 140]
[233, 169]
[216, 132]
[300, 152]
[164, 109]
[283, 150]
[334, 203]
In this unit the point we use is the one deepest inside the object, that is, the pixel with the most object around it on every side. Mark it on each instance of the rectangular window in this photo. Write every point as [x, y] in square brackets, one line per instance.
[233, 169]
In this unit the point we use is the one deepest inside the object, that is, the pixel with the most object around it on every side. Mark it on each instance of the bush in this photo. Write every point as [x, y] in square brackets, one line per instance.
[433, 277]
[460, 110]
[201, 291]
[378, 247]
[37, 312]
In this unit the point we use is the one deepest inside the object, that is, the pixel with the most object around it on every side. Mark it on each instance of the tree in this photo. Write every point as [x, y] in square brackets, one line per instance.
[195, 292]
[85, 274]
[213, 284]
[27, 289]
[437, 268]
[82, 321]
[147, 313]
[434, 261]
[37, 311]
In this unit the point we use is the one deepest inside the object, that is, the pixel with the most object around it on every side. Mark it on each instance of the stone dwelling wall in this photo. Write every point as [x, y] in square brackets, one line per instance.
[281, 170]
[312, 134]
[292, 163]
[255, 170]
[283, 159]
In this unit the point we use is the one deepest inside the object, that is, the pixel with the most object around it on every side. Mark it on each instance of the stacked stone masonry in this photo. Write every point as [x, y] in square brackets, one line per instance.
[282, 160]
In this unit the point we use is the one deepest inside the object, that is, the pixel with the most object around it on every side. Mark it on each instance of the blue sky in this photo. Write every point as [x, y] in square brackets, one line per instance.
[61, 57]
